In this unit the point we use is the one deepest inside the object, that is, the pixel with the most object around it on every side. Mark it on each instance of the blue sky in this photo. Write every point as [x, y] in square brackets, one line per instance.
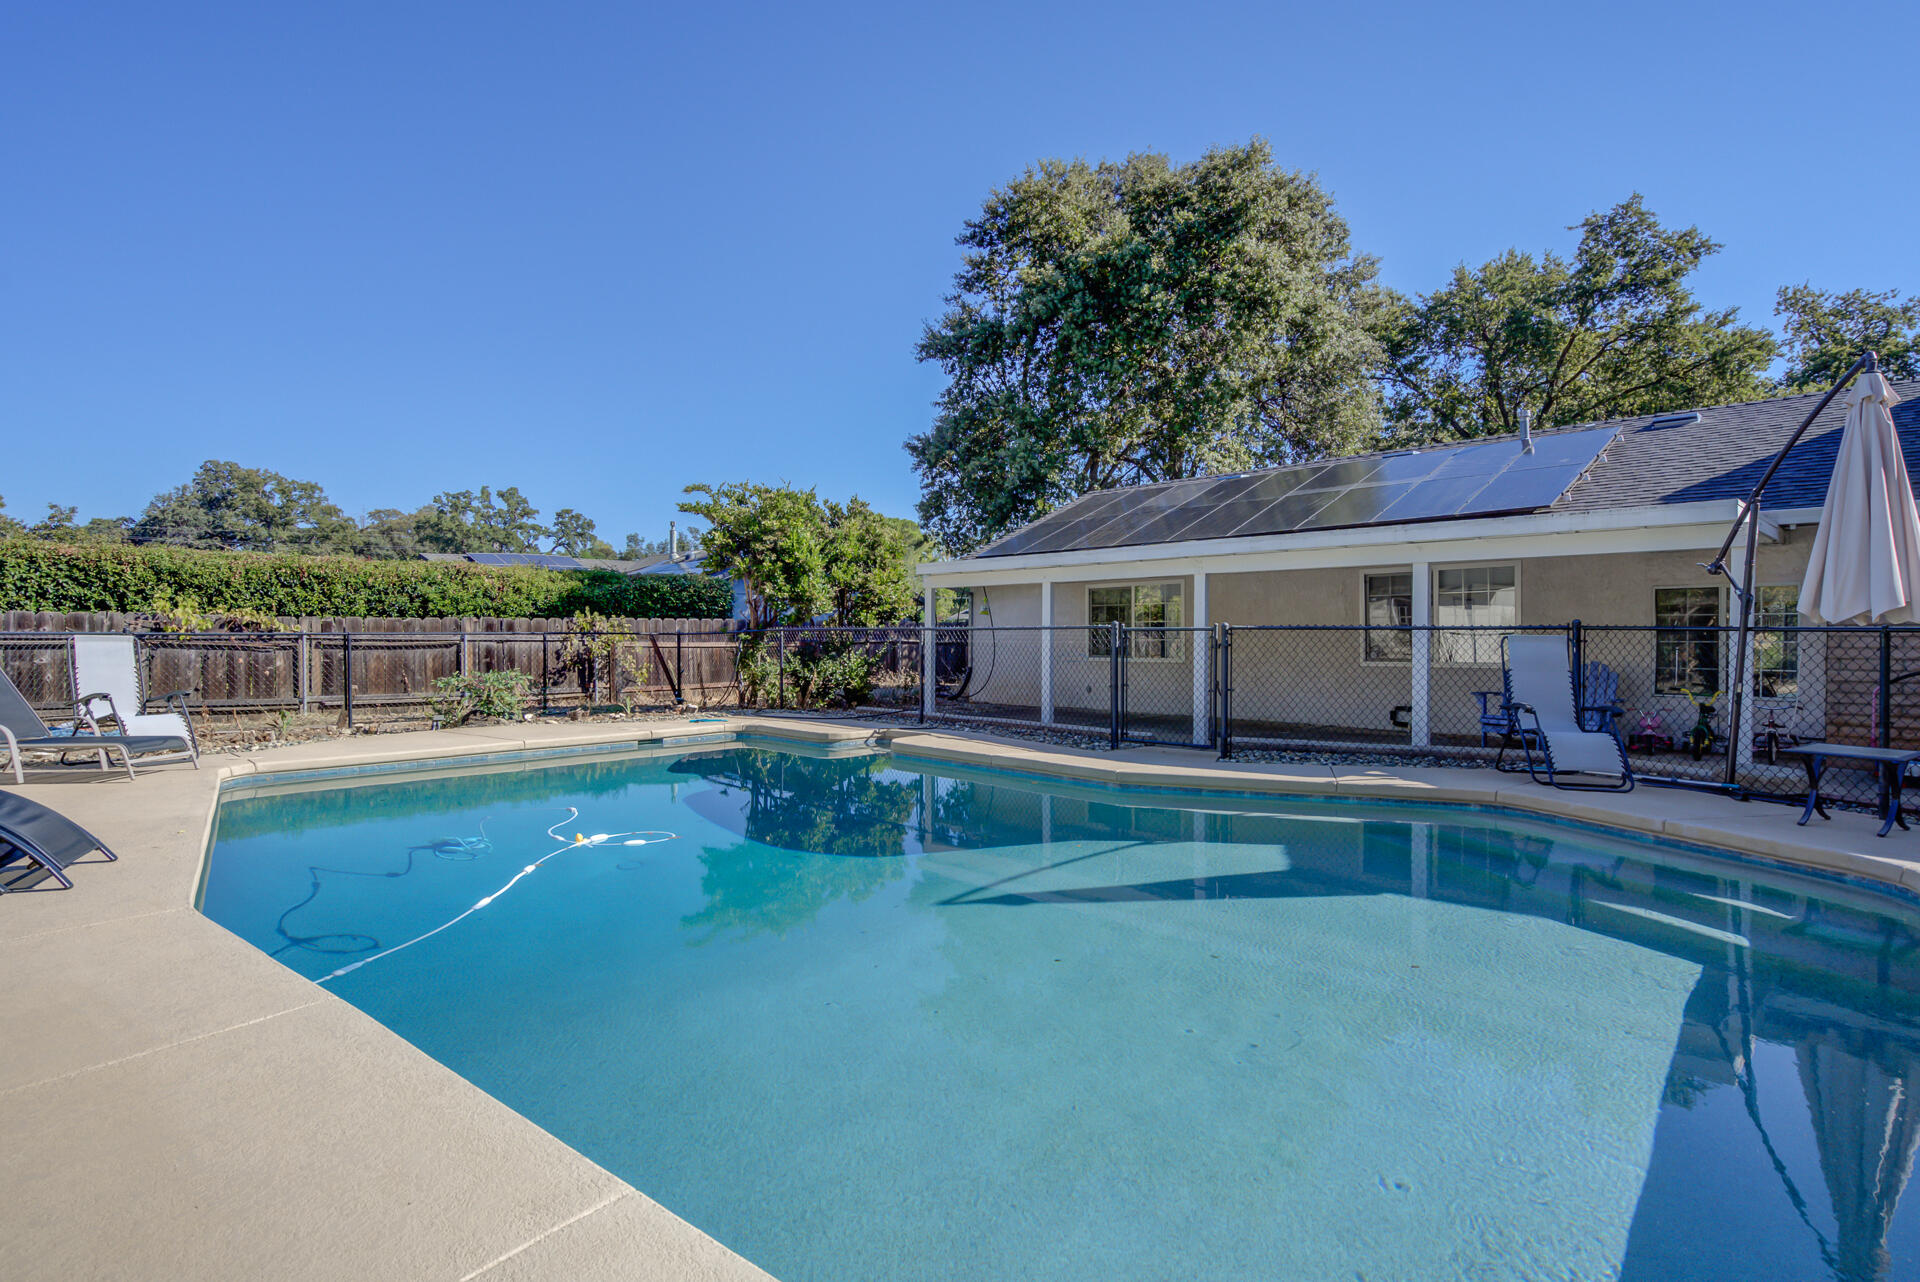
[601, 251]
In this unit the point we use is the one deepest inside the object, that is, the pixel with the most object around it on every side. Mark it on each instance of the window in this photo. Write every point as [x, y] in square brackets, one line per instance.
[1389, 606]
[1776, 654]
[1686, 643]
[1475, 597]
[1139, 606]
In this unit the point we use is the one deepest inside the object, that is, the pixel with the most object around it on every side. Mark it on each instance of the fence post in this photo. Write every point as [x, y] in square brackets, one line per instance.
[346, 673]
[543, 672]
[302, 677]
[1577, 643]
[780, 666]
[1886, 686]
[1224, 676]
[460, 661]
[929, 649]
[1114, 686]
[680, 666]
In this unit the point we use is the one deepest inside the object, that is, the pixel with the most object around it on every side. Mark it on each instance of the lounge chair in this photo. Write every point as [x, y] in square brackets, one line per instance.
[32, 834]
[22, 730]
[1538, 678]
[1600, 708]
[106, 664]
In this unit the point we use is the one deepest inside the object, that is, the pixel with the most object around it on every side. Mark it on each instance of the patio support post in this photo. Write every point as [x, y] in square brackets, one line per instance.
[929, 643]
[1202, 655]
[1743, 587]
[1046, 652]
[1421, 732]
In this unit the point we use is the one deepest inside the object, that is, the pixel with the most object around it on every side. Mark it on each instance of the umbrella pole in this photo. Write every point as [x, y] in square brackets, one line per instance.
[1743, 590]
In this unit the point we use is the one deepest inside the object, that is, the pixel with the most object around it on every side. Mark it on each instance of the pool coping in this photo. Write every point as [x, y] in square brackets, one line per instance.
[162, 1067]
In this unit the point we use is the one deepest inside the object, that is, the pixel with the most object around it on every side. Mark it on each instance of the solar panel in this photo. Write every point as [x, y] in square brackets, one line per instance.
[1289, 513]
[1409, 465]
[485, 558]
[1361, 505]
[1030, 538]
[1474, 479]
[1522, 490]
[1217, 520]
[1481, 459]
[1341, 473]
[1122, 526]
[1435, 497]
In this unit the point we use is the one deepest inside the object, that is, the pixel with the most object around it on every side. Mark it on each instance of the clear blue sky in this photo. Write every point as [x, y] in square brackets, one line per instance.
[604, 250]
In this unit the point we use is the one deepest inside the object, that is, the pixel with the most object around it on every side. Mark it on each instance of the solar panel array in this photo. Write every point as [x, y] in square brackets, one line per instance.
[542, 559]
[1483, 478]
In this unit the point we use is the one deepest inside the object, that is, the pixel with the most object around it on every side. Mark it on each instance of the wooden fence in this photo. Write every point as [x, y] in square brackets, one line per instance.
[306, 664]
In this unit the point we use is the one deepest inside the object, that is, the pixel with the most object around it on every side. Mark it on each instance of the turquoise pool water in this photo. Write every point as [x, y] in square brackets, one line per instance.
[860, 1018]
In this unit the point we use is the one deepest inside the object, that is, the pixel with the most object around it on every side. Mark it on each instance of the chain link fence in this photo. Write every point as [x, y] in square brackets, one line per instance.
[1415, 693]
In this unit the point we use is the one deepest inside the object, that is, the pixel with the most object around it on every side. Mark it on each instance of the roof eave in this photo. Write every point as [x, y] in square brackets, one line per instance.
[1650, 516]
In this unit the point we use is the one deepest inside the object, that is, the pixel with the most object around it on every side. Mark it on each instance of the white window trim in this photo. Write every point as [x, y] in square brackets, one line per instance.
[1378, 572]
[1720, 621]
[1133, 585]
[1433, 590]
[1433, 596]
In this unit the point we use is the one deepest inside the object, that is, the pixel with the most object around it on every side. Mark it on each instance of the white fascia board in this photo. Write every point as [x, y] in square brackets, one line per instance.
[1667, 527]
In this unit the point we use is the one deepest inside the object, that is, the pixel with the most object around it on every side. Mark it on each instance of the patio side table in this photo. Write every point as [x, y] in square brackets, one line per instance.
[1891, 763]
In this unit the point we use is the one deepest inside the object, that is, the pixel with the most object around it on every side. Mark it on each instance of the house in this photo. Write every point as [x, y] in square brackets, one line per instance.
[1608, 523]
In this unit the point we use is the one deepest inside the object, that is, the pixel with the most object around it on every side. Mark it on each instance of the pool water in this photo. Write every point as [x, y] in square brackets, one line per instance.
[863, 1018]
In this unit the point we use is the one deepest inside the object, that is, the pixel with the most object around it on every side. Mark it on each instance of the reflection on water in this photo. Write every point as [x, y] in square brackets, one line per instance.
[1839, 986]
[850, 809]
[1769, 1129]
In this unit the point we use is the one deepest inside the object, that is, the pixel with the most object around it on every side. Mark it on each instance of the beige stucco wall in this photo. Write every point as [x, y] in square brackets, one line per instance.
[1323, 679]
[1007, 661]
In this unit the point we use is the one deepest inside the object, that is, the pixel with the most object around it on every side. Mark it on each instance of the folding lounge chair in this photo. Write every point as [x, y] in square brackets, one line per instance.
[1538, 676]
[106, 671]
[22, 730]
[32, 834]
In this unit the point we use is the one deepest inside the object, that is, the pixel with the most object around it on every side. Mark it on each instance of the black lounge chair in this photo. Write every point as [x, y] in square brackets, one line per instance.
[32, 834]
[22, 730]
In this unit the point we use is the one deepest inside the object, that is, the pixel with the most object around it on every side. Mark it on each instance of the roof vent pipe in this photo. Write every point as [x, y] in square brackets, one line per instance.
[1526, 429]
[673, 540]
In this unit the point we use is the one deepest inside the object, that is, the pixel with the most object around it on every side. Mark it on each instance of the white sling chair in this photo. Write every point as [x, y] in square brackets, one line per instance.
[106, 670]
[1539, 688]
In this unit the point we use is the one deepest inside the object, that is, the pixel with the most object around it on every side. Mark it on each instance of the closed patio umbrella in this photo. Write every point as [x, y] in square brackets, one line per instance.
[1865, 565]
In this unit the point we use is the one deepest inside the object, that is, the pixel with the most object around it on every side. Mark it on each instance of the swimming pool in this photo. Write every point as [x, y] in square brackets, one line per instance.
[862, 1017]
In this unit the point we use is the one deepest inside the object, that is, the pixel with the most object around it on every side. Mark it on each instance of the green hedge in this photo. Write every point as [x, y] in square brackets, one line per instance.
[36, 575]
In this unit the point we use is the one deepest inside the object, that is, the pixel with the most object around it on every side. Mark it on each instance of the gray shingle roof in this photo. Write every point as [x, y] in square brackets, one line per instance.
[1654, 460]
[1723, 455]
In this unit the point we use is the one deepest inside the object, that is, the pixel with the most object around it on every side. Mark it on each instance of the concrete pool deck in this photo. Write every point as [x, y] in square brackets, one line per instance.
[175, 1103]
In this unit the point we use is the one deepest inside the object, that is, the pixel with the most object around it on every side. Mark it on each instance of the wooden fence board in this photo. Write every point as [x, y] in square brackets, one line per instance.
[393, 660]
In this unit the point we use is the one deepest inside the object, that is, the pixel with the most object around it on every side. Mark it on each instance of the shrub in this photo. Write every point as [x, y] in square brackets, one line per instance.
[480, 694]
[59, 578]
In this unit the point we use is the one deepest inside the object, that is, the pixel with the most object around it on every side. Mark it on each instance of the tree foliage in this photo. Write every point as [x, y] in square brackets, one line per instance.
[800, 558]
[772, 539]
[573, 535]
[1613, 331]
[243, 509]
[463, 521]
[1134, 322]
[869, 565]
[1825, 332]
